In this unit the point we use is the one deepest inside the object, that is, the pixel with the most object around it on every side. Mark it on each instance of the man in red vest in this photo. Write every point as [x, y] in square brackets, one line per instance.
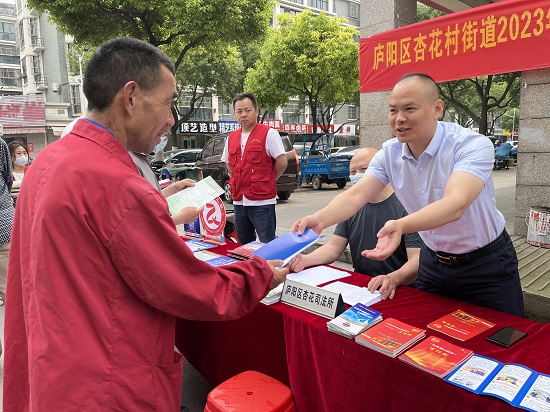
[255, 158]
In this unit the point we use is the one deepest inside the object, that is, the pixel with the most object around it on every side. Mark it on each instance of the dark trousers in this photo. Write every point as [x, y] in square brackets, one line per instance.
[252, 220]
[491, 281]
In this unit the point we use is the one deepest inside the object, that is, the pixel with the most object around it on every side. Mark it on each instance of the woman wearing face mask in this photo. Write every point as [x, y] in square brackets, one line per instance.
[19, 160]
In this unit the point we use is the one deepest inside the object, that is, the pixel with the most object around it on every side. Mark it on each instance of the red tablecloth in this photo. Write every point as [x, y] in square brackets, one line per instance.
[328, 372]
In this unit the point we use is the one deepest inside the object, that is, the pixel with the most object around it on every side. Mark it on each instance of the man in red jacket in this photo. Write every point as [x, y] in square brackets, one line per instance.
[97, 272]
[255, 158]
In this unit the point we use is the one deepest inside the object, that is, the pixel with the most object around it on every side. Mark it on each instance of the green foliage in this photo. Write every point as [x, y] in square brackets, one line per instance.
[473, 99]
[424, 12]
[176, 26]
[205, 71]
[312, 57]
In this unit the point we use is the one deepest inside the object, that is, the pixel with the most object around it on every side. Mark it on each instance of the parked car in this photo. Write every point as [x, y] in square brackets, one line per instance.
[212, 165]
[345, 151]
[187, 156]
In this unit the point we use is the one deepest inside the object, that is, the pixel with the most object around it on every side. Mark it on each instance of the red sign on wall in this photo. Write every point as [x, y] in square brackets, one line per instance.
[498, 38]
[22, 111]
[275, 124]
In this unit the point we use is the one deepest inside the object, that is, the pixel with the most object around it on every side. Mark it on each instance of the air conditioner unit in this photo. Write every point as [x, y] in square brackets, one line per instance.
[56, 88]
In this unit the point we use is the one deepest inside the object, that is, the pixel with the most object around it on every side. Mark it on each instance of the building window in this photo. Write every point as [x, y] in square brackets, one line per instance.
[24, 70]
[224, 109]
[352, 112]
[10, 77]
[21, 39]
[36, 65]
[353, 11]
[74, 98]
[7, 31]
[7, 9]
[318, 4]
[9, 55]
[297, 1]
[33, 27]
[289, 11]
[204, 112]
[292, 113]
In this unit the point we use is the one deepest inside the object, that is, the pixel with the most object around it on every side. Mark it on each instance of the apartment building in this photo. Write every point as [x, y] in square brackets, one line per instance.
[37, 95]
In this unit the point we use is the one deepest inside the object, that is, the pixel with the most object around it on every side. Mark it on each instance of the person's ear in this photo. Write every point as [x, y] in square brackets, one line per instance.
[130, 93]
[439, 105]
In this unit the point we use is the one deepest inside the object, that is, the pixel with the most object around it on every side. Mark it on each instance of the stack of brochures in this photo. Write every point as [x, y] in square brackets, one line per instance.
[213, 259]
[460, 325]
[196, 245]
[390, 337]
[352, 294]
[436, 356]
[354, 321]
[516, 384]
[244, 252]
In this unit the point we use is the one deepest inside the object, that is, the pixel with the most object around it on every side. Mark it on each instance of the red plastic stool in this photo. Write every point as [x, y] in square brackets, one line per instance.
[250, 391]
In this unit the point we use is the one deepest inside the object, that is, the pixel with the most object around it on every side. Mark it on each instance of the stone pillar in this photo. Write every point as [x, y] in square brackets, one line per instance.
[378, 16]
[533, 173]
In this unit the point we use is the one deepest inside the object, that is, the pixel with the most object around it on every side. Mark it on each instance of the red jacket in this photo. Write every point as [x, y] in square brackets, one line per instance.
[97, 275]
[254, 174]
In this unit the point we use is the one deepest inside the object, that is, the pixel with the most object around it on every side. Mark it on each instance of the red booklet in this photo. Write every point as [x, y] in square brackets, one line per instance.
[391, 337]
[460, 325]
[436, 356]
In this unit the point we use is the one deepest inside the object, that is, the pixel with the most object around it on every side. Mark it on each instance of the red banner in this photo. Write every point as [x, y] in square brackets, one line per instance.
[22, 111]
[503, 37]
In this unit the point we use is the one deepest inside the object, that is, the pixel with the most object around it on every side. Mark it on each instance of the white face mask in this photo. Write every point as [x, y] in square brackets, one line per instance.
[21, 160]
[161, 145]
[355, 178]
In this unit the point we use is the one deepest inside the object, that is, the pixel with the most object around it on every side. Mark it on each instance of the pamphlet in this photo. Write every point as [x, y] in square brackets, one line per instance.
[204, 191]
[314, 276]
[436, 356]
[354, 321]
[287, 246]
[461, 325]
[213, 258]
[516, 384]
[245, 251]
[390, 337]
[196, 245]
[352, 294]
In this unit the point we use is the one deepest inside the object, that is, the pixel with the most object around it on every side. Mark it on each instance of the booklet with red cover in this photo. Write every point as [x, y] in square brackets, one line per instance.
[245, 251]
[436, 356]
[390, 337]
[460, 325]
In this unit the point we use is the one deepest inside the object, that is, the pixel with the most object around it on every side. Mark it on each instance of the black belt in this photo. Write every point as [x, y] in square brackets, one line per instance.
[451, 259]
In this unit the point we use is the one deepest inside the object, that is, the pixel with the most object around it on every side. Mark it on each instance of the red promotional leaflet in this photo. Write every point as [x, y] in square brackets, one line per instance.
[245, 251]
[436, 356]
[390, 337]
[460, 325]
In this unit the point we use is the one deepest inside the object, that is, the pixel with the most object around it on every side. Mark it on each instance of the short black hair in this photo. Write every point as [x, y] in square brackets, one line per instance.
[119, 61]
[242, 96]
[427, 80]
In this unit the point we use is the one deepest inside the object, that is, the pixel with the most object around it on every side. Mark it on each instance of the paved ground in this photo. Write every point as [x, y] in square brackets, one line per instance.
[304, 201]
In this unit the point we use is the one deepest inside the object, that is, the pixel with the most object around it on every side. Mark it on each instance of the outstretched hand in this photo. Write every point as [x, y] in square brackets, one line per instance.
[310, 221]
[389, 239]
[279, 274]
[187, 215]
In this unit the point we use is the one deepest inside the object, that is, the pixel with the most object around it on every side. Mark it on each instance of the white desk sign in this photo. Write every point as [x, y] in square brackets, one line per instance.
[313, 299]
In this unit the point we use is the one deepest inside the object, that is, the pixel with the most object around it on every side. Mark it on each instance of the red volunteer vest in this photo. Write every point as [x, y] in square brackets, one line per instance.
[254, 173]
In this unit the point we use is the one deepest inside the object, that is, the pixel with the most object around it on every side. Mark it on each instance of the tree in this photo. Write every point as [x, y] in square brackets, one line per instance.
[207, 71]
[479, 96]
[312, 57]
[176, 26]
